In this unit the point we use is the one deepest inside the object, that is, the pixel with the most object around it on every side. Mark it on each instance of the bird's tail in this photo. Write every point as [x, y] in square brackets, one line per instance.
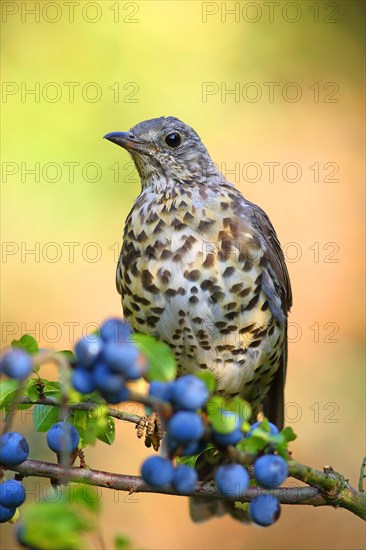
[202, 509]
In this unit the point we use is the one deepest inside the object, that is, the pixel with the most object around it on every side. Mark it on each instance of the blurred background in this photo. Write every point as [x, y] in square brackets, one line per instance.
[276, 92]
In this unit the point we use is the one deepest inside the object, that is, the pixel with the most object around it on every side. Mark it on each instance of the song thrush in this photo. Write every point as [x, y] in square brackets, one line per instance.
[201, 267]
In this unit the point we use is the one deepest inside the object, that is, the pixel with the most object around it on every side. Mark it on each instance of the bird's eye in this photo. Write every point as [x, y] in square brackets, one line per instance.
[173, 140]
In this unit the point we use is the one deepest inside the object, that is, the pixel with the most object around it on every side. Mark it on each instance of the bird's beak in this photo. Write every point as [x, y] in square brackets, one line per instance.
[127, 140]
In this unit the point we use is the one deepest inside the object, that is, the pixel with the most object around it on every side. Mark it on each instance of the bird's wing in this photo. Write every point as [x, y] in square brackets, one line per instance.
[274, 254]
[273, 406]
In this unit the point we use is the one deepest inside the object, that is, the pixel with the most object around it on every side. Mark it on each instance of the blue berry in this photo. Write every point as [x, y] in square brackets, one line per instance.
[157, 471]
[105, 380]
[265, 510]
[232, 480]
[83, 380]
[161, 390]
[186, 426]
[184, 479]
[189, 393]
[6, 513]
[117, 396]
[232, 438]
[88, 350]
[125, 359]
[270, 471]
[63, 437]
[115, 330]
[12, 494]
[273, 429]
[17, 363]
[14, 449]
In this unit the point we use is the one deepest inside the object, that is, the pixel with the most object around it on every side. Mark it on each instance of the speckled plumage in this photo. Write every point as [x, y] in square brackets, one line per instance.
[201, 268]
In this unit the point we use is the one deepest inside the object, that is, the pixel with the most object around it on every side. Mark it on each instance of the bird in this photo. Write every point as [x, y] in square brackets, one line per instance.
[201, 268]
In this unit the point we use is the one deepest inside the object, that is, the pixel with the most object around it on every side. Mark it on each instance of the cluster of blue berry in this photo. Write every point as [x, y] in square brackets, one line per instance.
[105, 362]
[184, 436]
[187, 434]
[14, 450]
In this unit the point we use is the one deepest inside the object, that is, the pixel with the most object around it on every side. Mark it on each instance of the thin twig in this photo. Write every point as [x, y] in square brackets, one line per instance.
[362, 476]
[82, 406]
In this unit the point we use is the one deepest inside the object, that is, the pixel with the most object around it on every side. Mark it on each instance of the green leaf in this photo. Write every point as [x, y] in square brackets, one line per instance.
[162, 364]
[208, 379]
[26, 342]
[53, 388]
[241, 407]
[54, 526]
[253, 444]
[218, 409]
[262, 440]
[8, 389]
[108, 435]
[70, 356]
[79, 419]
[84, 495]
[285, 436]
[289, 434]
[44, 416]
[191, 460]
[32, 390]
[122, 543]
[92, 425]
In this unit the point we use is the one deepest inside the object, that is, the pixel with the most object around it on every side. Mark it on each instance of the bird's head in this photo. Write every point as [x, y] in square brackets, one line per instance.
[166, 150]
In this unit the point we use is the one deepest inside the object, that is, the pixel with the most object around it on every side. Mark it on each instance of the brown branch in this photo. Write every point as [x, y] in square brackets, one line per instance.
[120, 482]
[314, 496]
[334, 487]
[327, 487]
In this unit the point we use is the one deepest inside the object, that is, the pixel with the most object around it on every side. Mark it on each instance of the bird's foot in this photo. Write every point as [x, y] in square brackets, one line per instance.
[151, 427]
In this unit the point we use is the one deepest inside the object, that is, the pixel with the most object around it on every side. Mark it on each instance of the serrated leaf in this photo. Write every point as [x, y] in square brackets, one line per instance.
[122, 543]
[162, 364]
[45, 416]
[208, 379]
[26, 342]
